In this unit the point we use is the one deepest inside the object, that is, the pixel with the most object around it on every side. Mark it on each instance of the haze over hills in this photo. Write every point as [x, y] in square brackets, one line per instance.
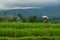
[52, 12]
[51, 8]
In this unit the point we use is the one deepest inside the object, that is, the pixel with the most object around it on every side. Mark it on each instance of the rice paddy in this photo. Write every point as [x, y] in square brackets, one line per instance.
[29, 31]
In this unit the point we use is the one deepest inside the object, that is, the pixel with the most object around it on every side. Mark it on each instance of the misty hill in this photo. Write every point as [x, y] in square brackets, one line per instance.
[52, 13]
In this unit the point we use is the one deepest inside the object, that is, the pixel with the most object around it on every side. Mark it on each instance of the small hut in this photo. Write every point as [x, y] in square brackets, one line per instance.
[45, 19]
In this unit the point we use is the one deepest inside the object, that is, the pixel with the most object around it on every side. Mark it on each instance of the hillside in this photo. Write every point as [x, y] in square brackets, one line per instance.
[52, 13]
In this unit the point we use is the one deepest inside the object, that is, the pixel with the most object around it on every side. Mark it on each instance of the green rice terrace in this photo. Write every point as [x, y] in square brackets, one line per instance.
[29, 31]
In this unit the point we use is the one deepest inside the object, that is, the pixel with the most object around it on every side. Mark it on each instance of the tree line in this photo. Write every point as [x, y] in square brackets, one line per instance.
[18, 18]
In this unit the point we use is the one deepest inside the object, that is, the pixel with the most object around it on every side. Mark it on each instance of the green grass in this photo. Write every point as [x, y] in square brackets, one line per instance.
[10, 32]
[28, 25]
[29, 31]
[30, 38]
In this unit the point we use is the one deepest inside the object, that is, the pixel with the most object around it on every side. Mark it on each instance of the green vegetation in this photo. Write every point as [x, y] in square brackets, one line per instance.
[30, 38]
[11, 32]
[18, 27]
[29, 31]
[18, 18]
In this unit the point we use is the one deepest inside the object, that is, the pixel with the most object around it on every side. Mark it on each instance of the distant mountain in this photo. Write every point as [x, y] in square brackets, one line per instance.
[52, 13]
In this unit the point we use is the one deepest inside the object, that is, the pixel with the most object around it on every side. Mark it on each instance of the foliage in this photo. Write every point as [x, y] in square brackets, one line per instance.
[20, 25]
[30, 38]
[12, 32]
[32, 19]
[18, 30]
[20, 18]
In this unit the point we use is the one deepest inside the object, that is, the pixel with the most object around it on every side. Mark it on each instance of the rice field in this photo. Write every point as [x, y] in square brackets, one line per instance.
[29, 31]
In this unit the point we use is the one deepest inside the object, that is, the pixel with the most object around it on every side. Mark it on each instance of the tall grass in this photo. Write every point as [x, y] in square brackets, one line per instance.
[12, 32]
[21, 31]
[28, 25]
[31, 38]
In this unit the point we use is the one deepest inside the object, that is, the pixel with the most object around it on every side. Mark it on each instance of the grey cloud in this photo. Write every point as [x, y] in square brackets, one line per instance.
[7, 4]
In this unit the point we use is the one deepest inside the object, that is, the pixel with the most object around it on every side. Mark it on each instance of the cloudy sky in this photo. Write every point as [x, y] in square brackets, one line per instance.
[26, 4]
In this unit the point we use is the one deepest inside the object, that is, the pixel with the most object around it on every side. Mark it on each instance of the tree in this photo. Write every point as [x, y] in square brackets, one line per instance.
[15, 17]
[21, 18]
[18, 17]
[32, 19]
